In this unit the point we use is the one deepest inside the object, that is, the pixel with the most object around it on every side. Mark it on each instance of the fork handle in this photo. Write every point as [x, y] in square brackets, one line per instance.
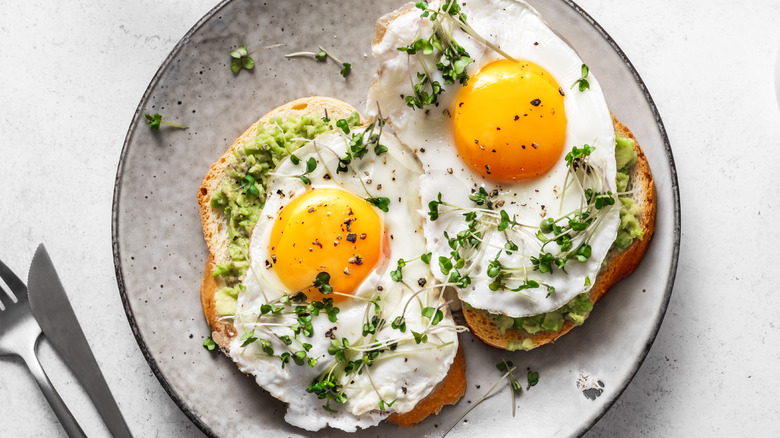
[62, 412]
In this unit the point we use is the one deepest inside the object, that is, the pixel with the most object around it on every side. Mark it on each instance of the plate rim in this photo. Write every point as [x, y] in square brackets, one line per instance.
[676, 226]
[676, 213]
[115, 222]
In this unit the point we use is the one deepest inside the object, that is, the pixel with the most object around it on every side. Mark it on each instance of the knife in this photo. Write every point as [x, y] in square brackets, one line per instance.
[50, 306]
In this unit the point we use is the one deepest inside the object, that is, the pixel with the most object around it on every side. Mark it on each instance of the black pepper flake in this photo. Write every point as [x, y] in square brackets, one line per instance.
[356, 260]
[536, 102]
[403, 389]
[279, 192]
[460, 104]
[380, 288]
[422, 150]
[560, 91]
[523, 146]
[535, 146]
[329, 333]
[497, 128]
[421, 281]
[273, 258]
[517, 117]
[536, 43]
[351, 237]
[476, 141]
[362, 236]
[267, 263]
[326, 176]
[317, 242]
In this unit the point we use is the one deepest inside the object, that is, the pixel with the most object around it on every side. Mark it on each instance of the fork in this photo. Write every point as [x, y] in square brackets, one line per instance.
[19, 334]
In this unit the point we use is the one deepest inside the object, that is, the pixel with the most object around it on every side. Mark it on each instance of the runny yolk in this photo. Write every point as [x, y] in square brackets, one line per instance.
[326, 230]
[509, 121]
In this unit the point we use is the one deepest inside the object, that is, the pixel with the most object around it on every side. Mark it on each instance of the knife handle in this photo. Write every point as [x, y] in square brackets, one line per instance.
[62, 412]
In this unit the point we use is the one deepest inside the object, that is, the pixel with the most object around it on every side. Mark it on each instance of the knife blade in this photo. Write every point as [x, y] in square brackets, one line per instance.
[50, 306]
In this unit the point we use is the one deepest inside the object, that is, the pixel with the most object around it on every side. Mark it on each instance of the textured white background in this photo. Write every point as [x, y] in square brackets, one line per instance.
[71, 76]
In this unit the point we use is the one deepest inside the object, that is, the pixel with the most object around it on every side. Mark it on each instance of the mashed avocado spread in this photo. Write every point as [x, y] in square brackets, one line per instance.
[580, 306]
[242, 193]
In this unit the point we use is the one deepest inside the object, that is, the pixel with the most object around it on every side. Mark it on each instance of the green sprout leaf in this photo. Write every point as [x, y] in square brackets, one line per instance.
[397, 274]
[582, 82]
[533, 378]
[248, 338]
[380, 203]
[156, 120]
[345, 69]
[323, 56]
[241, 60]
[209, 344]
[322, 283]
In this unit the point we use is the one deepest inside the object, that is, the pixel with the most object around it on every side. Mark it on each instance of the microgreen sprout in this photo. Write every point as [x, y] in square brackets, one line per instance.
[209, 344]
[397, 273]
[533, 378]
[241, 59]
[156, 120]
[322, 283]
[582, 82]
[481, 399]
[514, 384]
[434, 314]
[248, 338]
[322, 56]
[311, 165]
[250, 183]
[381, 203]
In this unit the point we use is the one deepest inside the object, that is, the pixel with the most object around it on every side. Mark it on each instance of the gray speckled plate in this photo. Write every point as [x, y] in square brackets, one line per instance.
[160, 253]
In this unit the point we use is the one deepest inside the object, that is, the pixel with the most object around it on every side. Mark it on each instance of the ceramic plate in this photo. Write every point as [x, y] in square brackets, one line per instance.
[160, 252]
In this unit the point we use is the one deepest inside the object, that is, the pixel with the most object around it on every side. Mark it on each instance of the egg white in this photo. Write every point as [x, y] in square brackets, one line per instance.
[405, 375]
[517, 29]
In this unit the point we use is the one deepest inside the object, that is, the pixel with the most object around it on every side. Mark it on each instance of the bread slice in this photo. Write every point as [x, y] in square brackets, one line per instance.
[214, 222]
[215, 231]
[617, 265]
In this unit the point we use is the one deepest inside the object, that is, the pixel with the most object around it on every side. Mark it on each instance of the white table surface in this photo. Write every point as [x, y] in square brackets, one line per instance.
[72, 74]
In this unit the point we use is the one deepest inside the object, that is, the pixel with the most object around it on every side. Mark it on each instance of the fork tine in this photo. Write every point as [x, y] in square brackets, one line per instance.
[13, 282]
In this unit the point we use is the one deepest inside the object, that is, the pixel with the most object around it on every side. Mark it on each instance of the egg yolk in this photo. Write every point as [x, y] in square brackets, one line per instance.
[326, 230]
[509, 121]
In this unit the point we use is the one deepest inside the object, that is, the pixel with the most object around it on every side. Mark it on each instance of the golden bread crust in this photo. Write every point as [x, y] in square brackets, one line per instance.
[618, 264]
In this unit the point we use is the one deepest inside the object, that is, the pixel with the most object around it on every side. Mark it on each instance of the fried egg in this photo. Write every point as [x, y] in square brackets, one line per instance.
[324, 323]
[500, 194]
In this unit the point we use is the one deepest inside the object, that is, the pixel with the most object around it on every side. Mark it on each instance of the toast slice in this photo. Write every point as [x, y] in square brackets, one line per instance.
[215, 230]
[617, 265]
[215, 223]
